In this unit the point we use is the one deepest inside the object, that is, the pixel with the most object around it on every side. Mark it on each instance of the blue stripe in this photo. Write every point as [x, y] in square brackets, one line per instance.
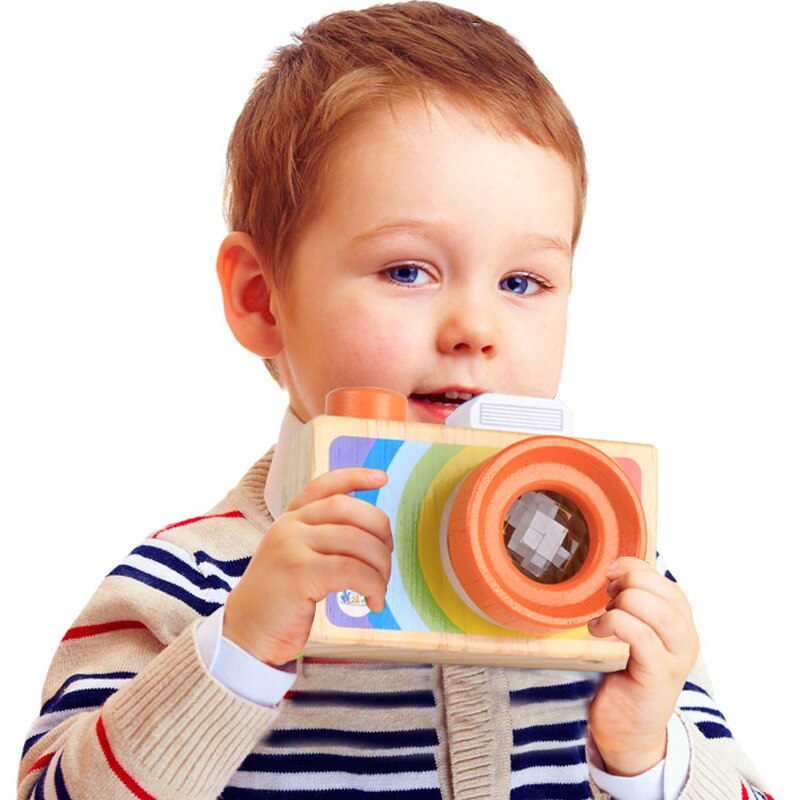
[560, 732]
[234, 568]
[693, 687]
[331, 762]
[419, 699]
[52, 703]
[704, 709]
[578, 690]
[426, 737]
[203, 607]
[235, 793]
[713, 730]
[181, 567]
[31, 742]
[84, 698]
[560, 757]
[552, 791]
[380, 456]
[61, 786]
[39, 793]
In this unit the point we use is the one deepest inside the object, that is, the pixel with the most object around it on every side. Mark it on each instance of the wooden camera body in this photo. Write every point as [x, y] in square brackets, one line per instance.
[502, 533]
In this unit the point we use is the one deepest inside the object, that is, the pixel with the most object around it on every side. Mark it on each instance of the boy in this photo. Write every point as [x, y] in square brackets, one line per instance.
[405, 194]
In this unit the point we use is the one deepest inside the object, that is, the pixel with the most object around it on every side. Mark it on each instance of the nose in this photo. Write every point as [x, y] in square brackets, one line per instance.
[468, 325]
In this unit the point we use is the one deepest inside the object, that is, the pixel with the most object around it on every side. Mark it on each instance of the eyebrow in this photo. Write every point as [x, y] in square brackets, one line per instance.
[537, 240]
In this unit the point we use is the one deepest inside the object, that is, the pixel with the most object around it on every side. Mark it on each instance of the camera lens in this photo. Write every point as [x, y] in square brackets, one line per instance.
[546, 536]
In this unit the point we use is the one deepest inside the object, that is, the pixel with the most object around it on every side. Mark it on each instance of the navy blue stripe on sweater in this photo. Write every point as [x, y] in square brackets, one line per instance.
[30, 742]
[238, 793]
[162, 556]
[54, 703]
[235, 568]
[68, 699]
[715, 712]
[58, 781]
[577, 690]
[713, 730]
[305, 737]
[61, 786]
[693, 687]
[38, 793]
[560, 732]
[331, 762]
[413, 699]
[84, 698]
[696, 712]
[552, 791]
[556, 757]
[204, 607]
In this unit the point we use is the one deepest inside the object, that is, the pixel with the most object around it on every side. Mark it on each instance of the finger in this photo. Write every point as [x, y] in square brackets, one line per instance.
[337, 573]
[345, 540]
[341, 509]
[338, 481]
[642, 576]
[647, 649]
[660, 615]
[625, 564]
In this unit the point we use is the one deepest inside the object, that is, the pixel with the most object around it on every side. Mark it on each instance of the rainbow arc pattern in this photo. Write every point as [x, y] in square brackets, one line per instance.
[422, 478]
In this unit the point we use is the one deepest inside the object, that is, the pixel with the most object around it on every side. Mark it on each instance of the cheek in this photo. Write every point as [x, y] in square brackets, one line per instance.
[536, 356]
[377, 348]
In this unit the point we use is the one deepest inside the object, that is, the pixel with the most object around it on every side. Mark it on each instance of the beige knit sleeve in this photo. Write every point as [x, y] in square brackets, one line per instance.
[128, 707]
[719, 767]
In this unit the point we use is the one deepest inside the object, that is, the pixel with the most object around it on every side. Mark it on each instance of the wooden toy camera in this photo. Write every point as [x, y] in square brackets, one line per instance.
[503, 525]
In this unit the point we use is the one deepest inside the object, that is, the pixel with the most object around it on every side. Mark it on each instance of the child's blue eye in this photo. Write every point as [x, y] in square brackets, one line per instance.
[524, 280]
[406, 274]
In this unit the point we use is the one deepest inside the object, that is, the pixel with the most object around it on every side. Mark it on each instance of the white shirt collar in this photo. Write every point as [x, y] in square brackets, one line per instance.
[273, 488]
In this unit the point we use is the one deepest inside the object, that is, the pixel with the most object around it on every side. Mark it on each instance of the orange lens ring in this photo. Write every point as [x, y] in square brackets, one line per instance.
[603, 538]
[579, 471]
[498, 587]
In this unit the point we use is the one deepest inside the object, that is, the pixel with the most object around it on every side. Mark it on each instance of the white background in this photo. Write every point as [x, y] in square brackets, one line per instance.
[128, 404]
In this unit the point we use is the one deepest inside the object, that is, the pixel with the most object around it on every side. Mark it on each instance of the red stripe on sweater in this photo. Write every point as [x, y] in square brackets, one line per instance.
[745, 793]
[83, 631]
[116, 766]
[311, 660]
[41, 762]
[229, 515]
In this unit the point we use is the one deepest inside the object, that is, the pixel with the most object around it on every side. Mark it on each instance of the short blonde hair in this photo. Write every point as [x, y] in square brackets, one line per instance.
[311, 94]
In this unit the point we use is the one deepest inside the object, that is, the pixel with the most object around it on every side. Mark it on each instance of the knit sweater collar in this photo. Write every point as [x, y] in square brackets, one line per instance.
[259, 493]
[273, 484]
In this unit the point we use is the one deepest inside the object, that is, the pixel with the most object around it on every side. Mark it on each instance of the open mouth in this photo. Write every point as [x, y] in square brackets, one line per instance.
[445, 398]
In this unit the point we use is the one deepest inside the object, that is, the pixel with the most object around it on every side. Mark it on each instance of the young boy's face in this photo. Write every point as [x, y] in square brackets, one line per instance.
[440, 301]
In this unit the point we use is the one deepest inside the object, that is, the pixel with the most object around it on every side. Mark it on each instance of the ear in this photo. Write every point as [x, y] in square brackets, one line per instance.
[247, 296]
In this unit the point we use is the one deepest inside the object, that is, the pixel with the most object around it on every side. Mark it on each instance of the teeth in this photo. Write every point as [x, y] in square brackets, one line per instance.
[458, 395]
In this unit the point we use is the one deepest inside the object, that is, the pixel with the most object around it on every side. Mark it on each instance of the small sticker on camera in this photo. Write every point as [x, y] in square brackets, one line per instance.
[352, 603]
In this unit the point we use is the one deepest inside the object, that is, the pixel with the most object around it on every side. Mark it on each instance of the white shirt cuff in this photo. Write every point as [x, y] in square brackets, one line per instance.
[664, 781]
[239, 671]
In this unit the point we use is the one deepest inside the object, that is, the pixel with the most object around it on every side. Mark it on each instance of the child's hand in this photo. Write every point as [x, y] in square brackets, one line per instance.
[325, 541]
[629, 714]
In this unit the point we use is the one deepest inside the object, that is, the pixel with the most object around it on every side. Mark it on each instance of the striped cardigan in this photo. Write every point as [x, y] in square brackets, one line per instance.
[129, 709]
